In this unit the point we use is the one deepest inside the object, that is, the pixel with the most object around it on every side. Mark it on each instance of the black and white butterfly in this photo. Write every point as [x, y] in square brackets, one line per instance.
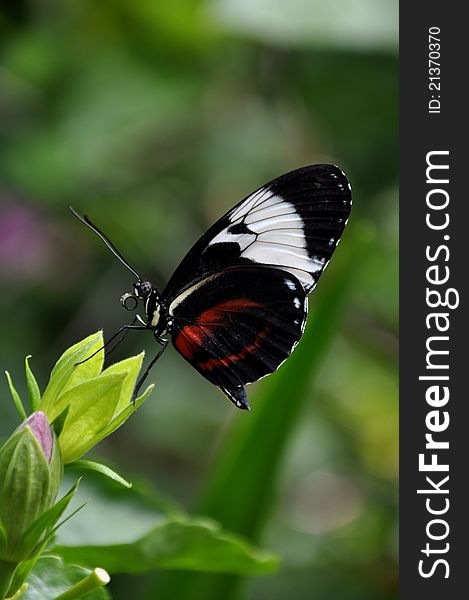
[236, 306]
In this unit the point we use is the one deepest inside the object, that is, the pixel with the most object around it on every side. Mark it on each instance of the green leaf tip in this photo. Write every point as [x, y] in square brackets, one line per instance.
[131, 368]
[33, 387]
[16, 398]
[100, 468]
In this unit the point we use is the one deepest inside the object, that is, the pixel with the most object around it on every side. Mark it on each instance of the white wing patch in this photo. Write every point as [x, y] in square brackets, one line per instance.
[273, 235]
[244, 240]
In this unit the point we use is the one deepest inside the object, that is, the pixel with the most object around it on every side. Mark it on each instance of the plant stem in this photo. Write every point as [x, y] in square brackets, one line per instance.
[98, 578]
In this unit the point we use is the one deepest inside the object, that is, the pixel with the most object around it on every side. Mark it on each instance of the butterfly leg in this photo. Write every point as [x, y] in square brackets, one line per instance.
[125, 329]
[163, 343]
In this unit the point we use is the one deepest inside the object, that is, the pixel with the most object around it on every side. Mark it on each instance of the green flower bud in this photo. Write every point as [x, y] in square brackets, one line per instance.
[85, 403]
[30, 474]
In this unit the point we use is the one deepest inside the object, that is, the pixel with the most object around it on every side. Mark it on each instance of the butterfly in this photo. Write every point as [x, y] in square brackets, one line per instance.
[236, 306]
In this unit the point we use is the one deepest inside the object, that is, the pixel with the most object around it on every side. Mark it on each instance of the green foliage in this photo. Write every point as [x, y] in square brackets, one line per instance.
[177, 543]
[84, 403]
[152, 536]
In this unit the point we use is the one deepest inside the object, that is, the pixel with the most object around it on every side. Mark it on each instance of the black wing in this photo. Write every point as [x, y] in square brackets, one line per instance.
[292, 223]
[236, 326]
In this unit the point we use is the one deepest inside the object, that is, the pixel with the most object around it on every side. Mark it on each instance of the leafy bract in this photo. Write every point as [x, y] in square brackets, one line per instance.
[68, 373]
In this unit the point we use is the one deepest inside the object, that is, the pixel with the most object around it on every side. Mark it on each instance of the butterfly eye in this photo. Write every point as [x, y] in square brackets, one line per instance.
[129, 301]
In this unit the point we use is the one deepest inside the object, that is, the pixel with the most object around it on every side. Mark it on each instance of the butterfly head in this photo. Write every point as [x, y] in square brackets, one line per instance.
[142, 290]
[156, 313]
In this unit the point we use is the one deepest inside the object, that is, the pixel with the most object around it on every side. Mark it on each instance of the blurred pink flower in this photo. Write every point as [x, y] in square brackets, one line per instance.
[24, 246]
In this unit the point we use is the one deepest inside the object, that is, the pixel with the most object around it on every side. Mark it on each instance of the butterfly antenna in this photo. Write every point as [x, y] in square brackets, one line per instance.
[84, 219]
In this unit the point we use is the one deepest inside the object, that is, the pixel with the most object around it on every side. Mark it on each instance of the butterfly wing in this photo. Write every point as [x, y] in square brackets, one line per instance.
[238, 325]
[292, 223]
[238, 300]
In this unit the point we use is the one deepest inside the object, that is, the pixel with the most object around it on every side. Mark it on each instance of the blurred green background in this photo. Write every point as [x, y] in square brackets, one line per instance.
[155, 118]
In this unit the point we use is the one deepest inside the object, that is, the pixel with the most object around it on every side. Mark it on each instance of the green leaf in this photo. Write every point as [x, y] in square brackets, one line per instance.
[136, 511]
[132, 367]
[130, 530]
[33, 388]
[92, 405]
[51, 577]
[195, 544]
[67, 373]
[16, 398]
[58, 422]
[122, 417]
[99, 468]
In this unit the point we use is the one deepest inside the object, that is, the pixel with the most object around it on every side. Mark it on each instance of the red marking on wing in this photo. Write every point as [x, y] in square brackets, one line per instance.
[212, 363]
[189, 339]
[217, 314]
[192, 336]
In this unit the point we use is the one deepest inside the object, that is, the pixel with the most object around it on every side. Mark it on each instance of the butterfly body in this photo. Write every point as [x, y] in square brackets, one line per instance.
[236, 306]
